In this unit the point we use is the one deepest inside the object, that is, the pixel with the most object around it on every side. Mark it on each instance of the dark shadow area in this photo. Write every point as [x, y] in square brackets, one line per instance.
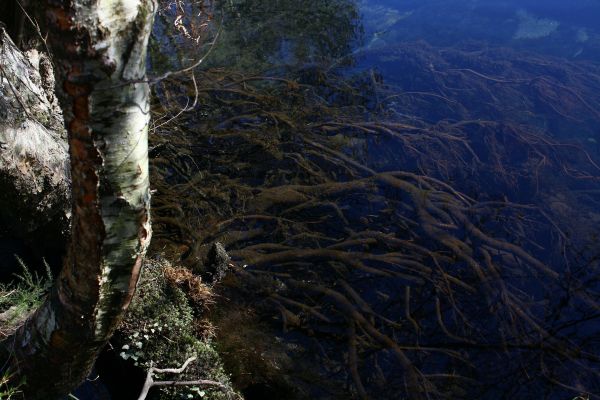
[121, 379]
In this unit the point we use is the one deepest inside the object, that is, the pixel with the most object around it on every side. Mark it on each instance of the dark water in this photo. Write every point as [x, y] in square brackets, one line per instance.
[411, 191]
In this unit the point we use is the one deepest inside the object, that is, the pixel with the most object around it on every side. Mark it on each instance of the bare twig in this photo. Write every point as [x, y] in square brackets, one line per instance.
[150, 382]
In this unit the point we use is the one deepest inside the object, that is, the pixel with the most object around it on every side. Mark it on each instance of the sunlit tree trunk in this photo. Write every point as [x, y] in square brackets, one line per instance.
[99, 51]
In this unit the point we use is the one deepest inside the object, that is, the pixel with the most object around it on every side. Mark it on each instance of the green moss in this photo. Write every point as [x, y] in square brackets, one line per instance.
[162, 330]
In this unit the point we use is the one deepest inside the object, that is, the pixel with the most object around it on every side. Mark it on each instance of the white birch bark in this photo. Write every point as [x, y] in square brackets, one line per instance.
[99, 51]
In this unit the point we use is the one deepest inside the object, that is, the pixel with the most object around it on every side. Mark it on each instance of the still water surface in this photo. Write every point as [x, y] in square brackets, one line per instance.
[411, 191]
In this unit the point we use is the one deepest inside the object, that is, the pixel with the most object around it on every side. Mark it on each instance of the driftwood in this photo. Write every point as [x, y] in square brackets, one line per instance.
[150, 382]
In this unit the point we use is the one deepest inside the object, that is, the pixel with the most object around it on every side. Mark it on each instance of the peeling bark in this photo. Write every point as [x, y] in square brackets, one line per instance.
[99, 51]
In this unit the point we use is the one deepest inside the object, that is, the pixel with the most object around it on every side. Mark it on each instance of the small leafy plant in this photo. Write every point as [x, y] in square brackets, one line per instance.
[165, 326]
[8, 390]
[20, 297]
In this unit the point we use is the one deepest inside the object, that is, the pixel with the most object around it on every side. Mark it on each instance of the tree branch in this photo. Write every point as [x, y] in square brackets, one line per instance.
[150, 382]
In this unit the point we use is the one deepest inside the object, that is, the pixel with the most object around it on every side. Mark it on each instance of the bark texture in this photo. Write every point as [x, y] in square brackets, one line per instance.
[34, 163]
[99, 51]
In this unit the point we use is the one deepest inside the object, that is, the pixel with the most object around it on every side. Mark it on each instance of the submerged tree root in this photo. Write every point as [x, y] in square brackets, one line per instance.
[391, 244]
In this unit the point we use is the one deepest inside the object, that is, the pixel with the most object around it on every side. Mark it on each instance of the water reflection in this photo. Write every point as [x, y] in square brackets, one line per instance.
[566, 29]
[417, 220]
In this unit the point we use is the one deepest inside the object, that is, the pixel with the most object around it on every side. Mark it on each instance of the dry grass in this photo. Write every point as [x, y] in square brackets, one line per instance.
[191, 284]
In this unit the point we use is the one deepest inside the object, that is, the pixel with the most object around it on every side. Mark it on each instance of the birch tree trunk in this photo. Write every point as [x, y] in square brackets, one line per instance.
[99, 52]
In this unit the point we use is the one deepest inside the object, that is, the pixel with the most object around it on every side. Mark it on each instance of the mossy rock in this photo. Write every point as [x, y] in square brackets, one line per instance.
[164, 326]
